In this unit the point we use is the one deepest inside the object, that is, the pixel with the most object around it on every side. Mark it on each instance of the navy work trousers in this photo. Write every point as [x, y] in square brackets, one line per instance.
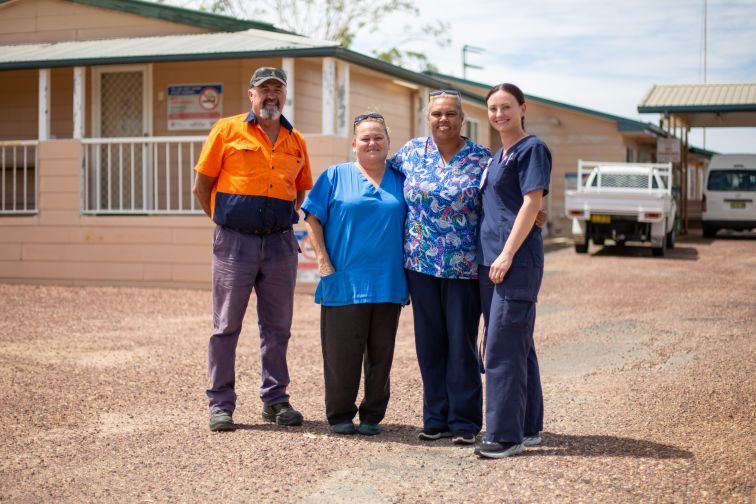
[514, 400]
[241, 263]
[446, 314]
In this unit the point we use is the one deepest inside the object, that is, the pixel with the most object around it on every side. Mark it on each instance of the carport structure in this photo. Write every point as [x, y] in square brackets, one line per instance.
[685, 106]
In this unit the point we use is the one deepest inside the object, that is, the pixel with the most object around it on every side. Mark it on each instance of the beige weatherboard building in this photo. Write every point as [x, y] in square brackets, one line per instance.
[108, 103]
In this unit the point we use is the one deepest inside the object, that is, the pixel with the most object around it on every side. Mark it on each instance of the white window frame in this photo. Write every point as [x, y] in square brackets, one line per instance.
[472, 126]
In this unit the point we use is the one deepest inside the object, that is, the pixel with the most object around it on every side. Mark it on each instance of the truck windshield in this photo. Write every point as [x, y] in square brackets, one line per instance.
[732, 180]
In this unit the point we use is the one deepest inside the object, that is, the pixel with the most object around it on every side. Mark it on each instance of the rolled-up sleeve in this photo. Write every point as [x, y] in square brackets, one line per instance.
[211, 158]
[304, 177]
[319, 197]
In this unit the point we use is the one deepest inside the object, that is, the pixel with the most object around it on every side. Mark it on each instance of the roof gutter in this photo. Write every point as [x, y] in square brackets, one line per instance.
[312, 52]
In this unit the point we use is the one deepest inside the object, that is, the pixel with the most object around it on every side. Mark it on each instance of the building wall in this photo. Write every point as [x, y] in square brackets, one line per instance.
[38, 21]
[309, 95]
[374, 92]
[18, 117]
[60, 245]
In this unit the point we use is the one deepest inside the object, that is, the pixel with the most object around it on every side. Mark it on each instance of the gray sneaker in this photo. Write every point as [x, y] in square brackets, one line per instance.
[532, 439]
[491, 449]
[221, 421]
[282, 414]
[434, 434]
[463, 438]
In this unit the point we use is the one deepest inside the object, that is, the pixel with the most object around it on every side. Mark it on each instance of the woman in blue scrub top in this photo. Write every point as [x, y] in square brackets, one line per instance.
[355, 216]
[510, 258]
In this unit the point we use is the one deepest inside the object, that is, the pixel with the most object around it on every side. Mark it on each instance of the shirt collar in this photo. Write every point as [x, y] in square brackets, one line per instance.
[251, 117]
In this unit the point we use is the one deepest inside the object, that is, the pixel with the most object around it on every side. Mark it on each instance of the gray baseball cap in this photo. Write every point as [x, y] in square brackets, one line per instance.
[263, 74]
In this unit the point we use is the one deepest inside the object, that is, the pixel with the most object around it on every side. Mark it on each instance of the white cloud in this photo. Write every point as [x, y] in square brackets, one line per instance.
[597, 54]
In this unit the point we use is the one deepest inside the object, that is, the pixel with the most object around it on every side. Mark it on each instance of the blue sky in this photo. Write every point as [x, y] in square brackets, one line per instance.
[603, 55]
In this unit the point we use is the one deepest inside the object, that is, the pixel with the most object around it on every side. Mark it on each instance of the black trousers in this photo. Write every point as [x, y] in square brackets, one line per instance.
[350, 336]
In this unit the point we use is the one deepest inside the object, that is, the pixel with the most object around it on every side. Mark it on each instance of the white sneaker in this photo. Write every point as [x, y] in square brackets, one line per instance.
[532, 439]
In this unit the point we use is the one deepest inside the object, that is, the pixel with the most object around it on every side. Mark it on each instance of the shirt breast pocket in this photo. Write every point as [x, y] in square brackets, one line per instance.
[287, 167]
[289, 163]
[243, 157]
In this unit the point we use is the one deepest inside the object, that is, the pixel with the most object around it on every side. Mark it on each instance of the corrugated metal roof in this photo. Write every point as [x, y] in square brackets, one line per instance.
[175, 14]
[163, 48]
[700, 95]
[623, 123]
[703, 105]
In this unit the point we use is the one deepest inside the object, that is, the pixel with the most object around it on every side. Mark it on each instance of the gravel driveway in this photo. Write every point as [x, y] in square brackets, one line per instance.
[648, 370]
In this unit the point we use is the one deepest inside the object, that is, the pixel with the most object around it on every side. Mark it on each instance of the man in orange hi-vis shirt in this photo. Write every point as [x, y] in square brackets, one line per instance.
[252, 176]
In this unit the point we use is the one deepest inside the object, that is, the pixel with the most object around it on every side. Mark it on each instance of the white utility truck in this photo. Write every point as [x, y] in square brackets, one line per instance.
[627, 203]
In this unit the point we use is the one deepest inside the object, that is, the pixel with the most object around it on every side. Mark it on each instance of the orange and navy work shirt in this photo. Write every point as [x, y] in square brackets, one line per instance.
[256, 182]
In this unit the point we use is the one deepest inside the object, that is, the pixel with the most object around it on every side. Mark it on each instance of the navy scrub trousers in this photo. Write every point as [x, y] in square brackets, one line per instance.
[514, 400]
[446, 314]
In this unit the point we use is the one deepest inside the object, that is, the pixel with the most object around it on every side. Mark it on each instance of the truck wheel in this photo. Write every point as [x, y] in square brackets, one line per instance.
[709, 231]
[582, 248]
[671, 237]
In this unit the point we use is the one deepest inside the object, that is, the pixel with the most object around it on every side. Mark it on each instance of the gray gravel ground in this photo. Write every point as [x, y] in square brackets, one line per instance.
[648, 371]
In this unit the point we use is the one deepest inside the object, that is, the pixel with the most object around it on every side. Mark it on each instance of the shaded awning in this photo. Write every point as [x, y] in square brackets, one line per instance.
[704, 105]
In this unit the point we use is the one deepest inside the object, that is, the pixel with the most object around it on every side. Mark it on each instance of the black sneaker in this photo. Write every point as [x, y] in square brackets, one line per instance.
[368, 429]
[434, 434]
[221, 421]
[345, 428]
[463, 438]
[492, 449]
[282, 414]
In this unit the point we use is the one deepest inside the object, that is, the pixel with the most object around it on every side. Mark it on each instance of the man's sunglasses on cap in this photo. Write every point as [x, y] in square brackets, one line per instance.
[263, 74]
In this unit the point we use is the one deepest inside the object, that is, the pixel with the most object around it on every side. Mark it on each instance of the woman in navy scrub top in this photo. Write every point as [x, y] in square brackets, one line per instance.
[510, 258]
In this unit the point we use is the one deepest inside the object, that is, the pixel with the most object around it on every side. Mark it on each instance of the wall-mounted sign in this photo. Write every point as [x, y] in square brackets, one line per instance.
[668, 150]
[194, 106]
[307, 271]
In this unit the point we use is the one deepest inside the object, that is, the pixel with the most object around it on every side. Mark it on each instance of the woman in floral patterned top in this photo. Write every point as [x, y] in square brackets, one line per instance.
[442, 192]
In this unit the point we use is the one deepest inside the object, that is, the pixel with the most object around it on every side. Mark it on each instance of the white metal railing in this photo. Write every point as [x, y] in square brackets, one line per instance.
[140, 175]
[18, 177]
[644, 177]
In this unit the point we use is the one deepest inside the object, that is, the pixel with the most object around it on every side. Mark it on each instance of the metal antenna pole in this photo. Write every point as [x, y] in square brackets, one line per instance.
[465, 65]
[705, 37]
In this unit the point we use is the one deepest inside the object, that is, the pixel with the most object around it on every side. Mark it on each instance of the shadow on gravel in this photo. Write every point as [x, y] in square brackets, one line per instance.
[554, 245]
[398, 433]
[605, 446]
[731, 236]
[679, 253]
[553, 444]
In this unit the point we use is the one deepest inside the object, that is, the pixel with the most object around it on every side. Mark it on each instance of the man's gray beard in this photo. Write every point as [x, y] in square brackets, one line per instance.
[270, 114]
